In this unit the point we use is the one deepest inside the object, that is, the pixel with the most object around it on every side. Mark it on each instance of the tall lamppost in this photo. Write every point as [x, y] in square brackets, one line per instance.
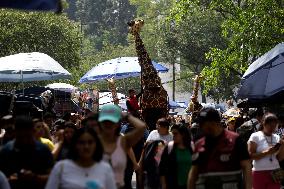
[172, 26]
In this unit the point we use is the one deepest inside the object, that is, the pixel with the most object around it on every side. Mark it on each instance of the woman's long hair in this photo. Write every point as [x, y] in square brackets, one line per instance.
[98, 154]
[185, 133]
[267, 119]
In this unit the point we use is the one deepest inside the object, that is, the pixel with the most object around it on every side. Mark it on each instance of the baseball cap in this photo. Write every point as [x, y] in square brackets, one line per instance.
[208, 114]
[111, 113]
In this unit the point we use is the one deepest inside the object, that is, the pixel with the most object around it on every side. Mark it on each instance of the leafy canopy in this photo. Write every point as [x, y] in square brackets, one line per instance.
[251, 28]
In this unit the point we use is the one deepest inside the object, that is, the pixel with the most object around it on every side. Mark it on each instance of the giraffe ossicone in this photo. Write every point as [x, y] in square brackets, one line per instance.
[135, 26]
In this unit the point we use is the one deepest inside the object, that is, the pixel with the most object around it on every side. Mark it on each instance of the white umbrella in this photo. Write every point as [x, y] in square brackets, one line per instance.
[62, 87]
[35, 66]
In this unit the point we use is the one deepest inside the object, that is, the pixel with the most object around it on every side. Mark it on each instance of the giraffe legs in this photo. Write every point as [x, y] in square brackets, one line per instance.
[151, 116]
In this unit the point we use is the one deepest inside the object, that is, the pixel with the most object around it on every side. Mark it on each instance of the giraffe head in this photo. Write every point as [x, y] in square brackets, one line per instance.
[135, 26]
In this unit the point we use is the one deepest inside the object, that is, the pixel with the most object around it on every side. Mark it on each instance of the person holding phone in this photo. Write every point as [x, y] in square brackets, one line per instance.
[263, 147]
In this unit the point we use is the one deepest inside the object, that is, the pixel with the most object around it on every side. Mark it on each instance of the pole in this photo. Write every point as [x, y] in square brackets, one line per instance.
[22, 77]
[174, 80]
[81, 30]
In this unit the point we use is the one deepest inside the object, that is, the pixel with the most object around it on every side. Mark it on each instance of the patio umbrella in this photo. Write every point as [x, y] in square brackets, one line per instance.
[173, 104]
[62, 87]
[39, 5]
[264, 77]
[25, 67]
[118, 68]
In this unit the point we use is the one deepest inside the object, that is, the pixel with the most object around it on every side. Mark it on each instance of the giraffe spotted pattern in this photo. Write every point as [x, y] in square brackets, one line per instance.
[154, 95]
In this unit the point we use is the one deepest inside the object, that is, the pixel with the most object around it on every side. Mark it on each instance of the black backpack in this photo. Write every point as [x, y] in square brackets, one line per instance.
[246, 129]
[152, 155]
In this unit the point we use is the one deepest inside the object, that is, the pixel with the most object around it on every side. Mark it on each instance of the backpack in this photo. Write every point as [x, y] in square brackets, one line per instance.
[152, 157]
[152, 154]
[246, 129]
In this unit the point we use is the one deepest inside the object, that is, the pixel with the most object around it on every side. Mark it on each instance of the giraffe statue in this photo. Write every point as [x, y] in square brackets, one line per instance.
[154, 102]
[194, 106]
[113, 91]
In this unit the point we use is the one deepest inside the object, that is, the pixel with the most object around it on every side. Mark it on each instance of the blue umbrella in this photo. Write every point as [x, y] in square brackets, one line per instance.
[118, 68]
[174, 105]
[264, 77]
[41, 5]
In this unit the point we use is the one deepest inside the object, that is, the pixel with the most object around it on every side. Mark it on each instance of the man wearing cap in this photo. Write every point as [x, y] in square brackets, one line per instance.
[220, 159]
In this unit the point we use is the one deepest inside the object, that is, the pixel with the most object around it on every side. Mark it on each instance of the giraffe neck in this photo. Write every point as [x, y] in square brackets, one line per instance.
[113, 92]
[147, 68]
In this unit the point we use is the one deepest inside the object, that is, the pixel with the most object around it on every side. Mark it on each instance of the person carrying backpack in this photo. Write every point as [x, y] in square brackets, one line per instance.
[151, 158]
[252, 125]
[152, 152]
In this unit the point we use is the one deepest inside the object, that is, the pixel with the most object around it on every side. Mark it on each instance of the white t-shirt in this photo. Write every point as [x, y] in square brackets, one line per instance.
[154, 135]
[66, 174]
[263, 143]
[4, 184]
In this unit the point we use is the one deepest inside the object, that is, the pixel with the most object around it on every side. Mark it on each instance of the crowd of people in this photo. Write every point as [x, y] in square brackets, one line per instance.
[103, 150]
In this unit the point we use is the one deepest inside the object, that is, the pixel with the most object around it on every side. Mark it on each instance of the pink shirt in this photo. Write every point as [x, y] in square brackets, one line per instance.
[118, 161]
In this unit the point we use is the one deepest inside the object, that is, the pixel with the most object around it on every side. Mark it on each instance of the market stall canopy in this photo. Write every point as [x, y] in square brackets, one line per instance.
[264, 77]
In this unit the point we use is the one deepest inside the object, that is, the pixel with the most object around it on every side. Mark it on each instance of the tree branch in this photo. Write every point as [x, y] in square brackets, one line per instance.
[235, 71]
[224, 12]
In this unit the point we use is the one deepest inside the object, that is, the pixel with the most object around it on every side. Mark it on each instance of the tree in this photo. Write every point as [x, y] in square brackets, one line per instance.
[196, 34]
[40, 32]
[71, 9]
[54, 35]
[251, 27]
[105, 21]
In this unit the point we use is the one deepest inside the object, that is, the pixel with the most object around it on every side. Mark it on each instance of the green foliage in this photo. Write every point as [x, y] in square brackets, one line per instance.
[40, 32]
[168, 38]
[251, 28]
[155, 31]
[48, 33]
[70, 9]
[105, 21]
